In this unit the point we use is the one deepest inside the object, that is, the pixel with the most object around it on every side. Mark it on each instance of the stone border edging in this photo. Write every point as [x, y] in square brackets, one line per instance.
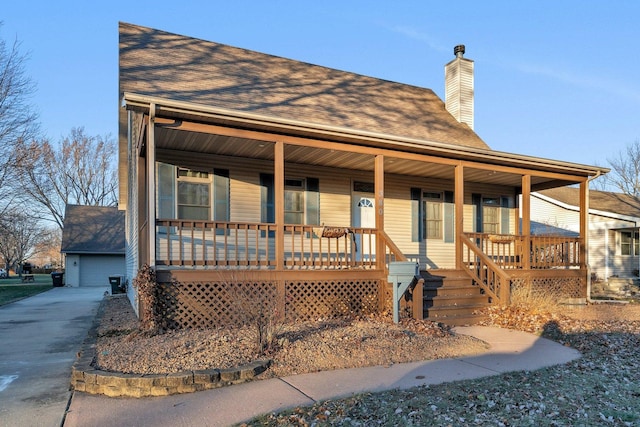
[85, 378]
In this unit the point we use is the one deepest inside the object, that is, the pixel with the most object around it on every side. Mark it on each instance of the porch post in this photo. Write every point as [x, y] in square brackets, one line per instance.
[459, 212]
[584, 224]
[278, 184]
[379, 203]
[151, 185]
[526, 221]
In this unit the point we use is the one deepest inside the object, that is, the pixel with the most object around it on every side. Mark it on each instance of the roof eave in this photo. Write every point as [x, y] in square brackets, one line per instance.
[568, 206]
[168, 106]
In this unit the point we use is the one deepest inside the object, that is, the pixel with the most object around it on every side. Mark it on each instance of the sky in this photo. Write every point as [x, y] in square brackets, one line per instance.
[553, 79]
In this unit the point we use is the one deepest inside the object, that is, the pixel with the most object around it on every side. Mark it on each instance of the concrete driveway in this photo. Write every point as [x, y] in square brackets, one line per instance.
[39, 339]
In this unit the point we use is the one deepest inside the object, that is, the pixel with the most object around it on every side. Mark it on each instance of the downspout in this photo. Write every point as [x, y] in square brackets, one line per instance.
[589, 300]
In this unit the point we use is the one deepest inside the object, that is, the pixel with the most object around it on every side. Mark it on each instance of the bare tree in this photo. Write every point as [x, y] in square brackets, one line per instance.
[47, 250]
[81, 169]
[20, 236]
[18, 121]
[625, 171]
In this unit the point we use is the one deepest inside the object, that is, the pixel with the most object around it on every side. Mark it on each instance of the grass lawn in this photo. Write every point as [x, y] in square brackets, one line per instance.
[13, 289]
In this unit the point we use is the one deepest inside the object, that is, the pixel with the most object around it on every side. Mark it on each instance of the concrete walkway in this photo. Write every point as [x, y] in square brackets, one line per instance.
[510, 351]
[39, 339]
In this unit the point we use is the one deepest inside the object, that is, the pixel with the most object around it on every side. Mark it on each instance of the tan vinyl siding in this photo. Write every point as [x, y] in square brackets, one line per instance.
[245, 195]
[335, 200]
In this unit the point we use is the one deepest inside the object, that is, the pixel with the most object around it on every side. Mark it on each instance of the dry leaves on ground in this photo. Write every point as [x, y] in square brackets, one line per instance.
[298, 348]
[600, 388]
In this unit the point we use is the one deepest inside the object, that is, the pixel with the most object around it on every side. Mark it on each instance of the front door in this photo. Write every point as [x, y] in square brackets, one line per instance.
[363, 216]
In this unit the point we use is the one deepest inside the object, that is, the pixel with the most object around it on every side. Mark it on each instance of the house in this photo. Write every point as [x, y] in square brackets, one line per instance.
[302, 184]
[614, 221]
[93, 245]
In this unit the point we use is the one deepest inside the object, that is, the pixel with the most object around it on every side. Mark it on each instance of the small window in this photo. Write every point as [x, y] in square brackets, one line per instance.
[433, 218]
[365, 203]
[363, 187]
[188, 173]
[629, 243]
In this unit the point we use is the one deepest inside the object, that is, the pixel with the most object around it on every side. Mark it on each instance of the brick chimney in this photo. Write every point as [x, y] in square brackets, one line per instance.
[458, 80]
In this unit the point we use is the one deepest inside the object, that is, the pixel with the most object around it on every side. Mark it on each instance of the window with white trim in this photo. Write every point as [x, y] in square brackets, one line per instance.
[194, 194]
[629, 243]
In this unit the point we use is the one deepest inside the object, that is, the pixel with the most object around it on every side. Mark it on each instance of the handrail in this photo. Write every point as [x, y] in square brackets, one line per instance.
[395, 254]
[486, 273]
[393, 249]
[511, 251]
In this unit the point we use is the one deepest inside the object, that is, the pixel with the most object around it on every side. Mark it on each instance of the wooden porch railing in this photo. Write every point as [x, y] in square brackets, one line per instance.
[544, 252]
[252, 245]
[485, 272]
[393, 253]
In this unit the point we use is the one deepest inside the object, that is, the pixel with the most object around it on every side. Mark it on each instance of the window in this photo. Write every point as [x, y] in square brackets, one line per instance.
[194, 201]
[363, 187]
[432, 215]
[432, 208]
[491, 215]
[629, 243]
[301, 200]
[192, 194]
[294, 201]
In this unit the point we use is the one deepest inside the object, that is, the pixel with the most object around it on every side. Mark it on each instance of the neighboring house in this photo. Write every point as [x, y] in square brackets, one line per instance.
[614, 221]
[303, 183]
[93, 244]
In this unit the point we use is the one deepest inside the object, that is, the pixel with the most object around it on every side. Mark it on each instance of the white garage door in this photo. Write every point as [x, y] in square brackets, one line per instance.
[96, 269]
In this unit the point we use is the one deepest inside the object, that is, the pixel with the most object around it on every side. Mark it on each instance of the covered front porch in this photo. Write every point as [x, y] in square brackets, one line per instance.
[330, 259]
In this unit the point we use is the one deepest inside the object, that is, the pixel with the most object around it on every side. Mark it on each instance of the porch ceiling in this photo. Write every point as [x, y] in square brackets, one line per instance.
[222, 145]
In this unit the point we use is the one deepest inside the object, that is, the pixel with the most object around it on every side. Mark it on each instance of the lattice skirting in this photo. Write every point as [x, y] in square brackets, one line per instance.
[228, 303]
[560, 286]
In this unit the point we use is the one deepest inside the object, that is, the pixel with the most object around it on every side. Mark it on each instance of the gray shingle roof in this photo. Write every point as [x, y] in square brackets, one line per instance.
[617, 203]
[170, 66]
[93, 230]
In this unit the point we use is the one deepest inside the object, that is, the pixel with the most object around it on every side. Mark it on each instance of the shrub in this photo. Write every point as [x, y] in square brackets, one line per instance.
[258, 310]
[146, 297]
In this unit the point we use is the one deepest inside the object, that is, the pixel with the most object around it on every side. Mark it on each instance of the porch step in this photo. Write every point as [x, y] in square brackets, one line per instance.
[450, 297]
[461, 316]
[448, 301]
[460, 290]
